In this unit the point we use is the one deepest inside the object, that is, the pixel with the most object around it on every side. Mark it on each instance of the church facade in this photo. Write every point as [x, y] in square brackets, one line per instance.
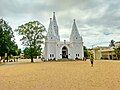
[56, 49]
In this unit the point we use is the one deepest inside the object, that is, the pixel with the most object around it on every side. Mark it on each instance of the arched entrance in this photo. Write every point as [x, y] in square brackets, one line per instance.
[64, 52]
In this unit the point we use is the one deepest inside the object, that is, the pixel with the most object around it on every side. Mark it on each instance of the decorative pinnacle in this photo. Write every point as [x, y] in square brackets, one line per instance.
[74, 20]
[53, 14]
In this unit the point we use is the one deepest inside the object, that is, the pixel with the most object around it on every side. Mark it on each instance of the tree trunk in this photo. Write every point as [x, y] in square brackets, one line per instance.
[7, 57]
[32, 59]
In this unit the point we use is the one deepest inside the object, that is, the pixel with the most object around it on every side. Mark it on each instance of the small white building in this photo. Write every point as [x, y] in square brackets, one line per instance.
[56, 49]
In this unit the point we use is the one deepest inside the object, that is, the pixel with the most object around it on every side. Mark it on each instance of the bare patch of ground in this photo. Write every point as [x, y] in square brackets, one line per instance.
[74, 75]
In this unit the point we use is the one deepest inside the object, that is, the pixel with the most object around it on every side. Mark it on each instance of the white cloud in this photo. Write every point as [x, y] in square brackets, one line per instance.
[97, 20]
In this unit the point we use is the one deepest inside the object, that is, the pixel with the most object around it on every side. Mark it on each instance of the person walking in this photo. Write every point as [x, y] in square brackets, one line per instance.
[91, 59]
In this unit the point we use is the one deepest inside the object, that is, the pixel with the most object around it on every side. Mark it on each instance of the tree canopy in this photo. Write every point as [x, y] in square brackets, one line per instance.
[112, 43]
[86, 53]
[117, 52]
[7, 44]
[32, 37]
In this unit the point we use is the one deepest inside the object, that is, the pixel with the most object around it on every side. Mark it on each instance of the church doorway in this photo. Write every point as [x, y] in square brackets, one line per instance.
[64, 52]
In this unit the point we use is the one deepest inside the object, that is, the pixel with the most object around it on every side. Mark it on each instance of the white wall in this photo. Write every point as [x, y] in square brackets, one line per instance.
[51, 49]
[56, 49]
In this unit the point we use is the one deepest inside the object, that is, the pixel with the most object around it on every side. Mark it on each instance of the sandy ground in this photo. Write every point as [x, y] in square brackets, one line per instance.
[71, 75]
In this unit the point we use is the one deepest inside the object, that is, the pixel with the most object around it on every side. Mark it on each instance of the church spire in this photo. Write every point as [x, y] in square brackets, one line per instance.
[54, 19]
[75, 36]
[74, 28]
[55, 26]
[51, 32]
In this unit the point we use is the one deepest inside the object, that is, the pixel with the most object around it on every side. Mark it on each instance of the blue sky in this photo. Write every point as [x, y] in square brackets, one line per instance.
[97, 20]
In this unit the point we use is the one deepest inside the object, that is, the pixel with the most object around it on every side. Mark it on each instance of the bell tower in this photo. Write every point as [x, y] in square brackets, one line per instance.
[76, 42]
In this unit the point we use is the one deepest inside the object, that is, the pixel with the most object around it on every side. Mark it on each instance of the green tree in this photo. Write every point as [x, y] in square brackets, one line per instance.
[6, 38]
[32, 36]
[112, 43]
[117, 52]
[13, 49]
[19, 51]
[26, 52]
[86, 53]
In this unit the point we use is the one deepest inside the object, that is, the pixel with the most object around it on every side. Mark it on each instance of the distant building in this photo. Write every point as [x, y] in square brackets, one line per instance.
[22, 55]
[103, 53]
[117, 44]
[56, 49]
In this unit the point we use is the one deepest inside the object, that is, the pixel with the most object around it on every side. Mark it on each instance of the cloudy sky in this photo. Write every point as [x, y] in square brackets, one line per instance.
[98, 21]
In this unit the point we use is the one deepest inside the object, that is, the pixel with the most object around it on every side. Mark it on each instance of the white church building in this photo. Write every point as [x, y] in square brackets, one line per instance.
[56, 49]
